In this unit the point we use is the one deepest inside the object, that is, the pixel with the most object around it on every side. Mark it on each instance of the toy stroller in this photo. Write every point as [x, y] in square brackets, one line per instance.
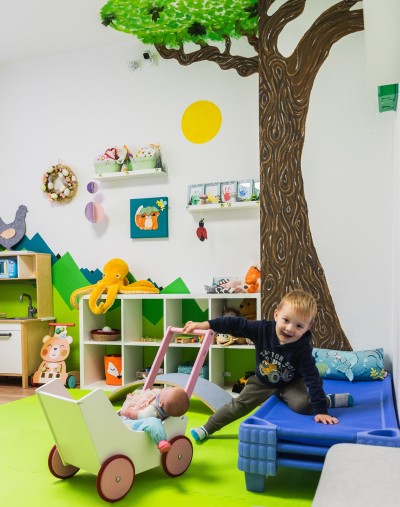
[90, 435]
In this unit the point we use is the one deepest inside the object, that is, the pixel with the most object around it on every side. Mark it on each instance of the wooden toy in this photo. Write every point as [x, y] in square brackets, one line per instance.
[89, 434]
[54, 352]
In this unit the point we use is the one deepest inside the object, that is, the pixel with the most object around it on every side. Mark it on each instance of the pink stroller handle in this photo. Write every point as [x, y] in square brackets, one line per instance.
[194, 374]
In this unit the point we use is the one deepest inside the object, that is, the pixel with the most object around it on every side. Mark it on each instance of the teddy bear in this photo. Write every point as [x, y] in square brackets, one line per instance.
[252, 280]
[248, 309]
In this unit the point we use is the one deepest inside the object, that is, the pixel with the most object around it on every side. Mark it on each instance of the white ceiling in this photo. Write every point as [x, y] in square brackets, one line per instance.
[38, 28]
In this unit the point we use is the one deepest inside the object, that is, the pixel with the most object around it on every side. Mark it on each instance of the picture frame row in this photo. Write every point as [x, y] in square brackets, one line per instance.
[224, 192]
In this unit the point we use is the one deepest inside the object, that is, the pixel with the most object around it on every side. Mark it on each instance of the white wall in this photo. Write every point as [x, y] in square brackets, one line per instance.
[72, 107]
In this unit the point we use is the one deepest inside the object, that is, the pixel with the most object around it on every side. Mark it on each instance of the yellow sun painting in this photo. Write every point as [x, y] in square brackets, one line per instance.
[201, 121]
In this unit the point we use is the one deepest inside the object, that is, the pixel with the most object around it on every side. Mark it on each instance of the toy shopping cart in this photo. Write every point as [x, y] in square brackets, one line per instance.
[89, 434]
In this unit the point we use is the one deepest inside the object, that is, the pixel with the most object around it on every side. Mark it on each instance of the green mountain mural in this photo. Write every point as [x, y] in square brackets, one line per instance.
[67, 276]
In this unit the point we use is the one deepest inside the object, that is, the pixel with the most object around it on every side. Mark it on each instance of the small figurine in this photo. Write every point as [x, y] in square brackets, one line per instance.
[201, 231]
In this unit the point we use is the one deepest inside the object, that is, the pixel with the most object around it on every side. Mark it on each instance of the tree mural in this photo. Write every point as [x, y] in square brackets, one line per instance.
[288, 256]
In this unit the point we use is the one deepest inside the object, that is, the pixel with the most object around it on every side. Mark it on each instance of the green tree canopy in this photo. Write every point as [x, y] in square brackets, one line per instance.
[173, 23]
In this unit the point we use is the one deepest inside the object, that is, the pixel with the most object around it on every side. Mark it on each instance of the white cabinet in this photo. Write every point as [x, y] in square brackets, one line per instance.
[20, 344]
[136, 348]
[10, 349]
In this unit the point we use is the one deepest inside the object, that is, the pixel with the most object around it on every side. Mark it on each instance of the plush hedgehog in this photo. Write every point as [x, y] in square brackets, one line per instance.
[224, 339]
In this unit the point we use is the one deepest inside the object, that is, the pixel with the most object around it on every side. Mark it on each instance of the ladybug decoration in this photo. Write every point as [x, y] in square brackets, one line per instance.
[201, 231]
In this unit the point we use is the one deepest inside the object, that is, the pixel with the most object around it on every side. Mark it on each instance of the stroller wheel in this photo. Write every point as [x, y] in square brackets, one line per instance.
[177, 460]
[57, 467]
[115, 478]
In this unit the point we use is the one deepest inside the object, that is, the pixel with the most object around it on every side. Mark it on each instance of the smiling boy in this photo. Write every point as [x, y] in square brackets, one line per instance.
[284, 364]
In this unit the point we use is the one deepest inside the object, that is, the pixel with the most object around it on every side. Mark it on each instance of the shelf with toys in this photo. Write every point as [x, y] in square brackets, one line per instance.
[135, 350]
[118, 163]
[122, 175]
[193, 208]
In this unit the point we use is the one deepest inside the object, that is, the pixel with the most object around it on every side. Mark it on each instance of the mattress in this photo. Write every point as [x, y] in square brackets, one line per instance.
[275, 436]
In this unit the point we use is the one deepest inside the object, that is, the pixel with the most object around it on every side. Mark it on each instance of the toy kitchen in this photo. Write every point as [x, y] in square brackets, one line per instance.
[26, 308]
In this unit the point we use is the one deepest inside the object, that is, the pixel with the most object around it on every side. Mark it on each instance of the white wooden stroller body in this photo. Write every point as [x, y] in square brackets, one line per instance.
[90, 435]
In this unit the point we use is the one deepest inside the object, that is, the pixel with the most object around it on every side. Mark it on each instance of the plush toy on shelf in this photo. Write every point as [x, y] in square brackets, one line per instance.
[114, 282]
[252, 280]
[225, 286]
[224, 339]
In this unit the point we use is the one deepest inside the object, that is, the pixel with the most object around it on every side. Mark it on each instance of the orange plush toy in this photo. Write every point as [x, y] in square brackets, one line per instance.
[252, 280]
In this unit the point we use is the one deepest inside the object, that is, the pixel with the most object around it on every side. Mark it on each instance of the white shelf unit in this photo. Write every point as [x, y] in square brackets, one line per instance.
[130, 346]
[193, 208]
[123, 175]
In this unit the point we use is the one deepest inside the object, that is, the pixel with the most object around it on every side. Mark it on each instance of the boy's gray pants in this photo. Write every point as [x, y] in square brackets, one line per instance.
[254, 393]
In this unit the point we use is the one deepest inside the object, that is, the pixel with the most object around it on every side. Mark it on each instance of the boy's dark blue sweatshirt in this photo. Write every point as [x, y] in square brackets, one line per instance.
[277, 364]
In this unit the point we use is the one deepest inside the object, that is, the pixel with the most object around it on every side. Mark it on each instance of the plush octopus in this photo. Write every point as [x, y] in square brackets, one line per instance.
[114, 282]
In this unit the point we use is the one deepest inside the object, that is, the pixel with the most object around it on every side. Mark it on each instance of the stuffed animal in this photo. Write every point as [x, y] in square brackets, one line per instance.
[225, 286]
[252, 280]
[224, 339]
[248, 310]
[114, 282]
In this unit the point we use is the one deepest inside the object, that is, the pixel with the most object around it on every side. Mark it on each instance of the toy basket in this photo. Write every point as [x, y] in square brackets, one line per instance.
[145, 162]
[107, 166]
[188, 366]
[99, 335]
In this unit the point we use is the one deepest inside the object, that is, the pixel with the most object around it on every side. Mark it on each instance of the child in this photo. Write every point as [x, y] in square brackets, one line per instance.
[284, 364]
[145, 411]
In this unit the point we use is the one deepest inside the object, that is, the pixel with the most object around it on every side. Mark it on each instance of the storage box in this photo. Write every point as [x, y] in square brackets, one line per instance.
[188, 366]
[113, 369]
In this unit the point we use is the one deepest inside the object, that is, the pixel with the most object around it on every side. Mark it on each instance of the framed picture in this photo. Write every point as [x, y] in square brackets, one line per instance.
[194, 193]
[256, 189]
[213, 192]
[228, 191]
[245, 190]
[149, 217]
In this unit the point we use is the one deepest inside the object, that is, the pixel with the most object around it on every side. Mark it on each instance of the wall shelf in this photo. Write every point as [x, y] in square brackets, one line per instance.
[122, 175]
[193, 208]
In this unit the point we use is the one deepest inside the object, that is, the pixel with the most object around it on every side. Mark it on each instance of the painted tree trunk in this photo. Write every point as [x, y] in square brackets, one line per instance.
[288, 257]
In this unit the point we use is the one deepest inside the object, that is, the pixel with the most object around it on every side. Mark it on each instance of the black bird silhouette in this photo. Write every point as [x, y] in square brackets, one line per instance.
[11, 234]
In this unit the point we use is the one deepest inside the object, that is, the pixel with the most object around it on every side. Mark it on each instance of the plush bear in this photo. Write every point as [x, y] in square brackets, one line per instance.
[248, 309]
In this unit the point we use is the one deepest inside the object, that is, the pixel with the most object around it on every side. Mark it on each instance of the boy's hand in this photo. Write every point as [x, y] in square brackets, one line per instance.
[325, 419]
[190, 326]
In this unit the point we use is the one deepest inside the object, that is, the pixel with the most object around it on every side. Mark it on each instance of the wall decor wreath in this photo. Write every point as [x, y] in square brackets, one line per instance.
[59, 183]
